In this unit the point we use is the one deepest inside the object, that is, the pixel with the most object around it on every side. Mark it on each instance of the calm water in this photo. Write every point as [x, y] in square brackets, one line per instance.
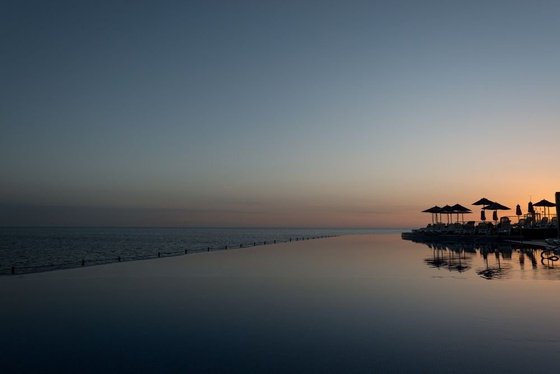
[355, 303]
[499, 260]
[32, 249]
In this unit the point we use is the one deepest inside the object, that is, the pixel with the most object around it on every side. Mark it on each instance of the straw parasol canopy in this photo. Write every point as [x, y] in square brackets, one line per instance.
[459, 209]
[433, 210]
[448, 210]
[495, 207]
[484, 201]
[545, 204]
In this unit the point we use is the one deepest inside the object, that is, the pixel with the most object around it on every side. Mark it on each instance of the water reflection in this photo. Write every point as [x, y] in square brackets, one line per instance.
[495, 270]
[491, 260]
[452, 260]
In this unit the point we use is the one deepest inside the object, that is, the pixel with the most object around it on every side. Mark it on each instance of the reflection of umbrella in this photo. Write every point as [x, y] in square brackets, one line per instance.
[438, 260]
[497, 270]
[434, 210]
[545, 204]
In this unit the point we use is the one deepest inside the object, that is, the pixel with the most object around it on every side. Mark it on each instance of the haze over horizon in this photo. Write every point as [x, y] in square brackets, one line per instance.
[297, 113]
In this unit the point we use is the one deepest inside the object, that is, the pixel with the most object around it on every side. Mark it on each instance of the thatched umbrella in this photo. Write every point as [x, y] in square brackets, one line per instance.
[433, 210]
[484, 201]
[459, 209]
[545, 204]
[495, 207]
[448, 210]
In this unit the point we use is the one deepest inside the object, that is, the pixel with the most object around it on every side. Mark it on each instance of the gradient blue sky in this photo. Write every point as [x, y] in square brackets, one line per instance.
[269, 113]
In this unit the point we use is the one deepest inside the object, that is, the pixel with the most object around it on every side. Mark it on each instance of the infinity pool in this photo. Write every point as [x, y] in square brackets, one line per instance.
[356, 303]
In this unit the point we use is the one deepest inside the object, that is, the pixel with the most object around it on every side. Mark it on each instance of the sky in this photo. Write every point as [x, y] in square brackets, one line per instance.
[274, 113]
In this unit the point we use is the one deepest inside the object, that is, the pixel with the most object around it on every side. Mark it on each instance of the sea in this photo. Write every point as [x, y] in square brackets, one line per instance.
[36, 249]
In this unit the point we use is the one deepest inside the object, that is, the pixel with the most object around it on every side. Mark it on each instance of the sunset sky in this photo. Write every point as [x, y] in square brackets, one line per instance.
[274, 113]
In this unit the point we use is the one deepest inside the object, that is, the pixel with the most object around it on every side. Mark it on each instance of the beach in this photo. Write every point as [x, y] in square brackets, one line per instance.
[355, 303]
